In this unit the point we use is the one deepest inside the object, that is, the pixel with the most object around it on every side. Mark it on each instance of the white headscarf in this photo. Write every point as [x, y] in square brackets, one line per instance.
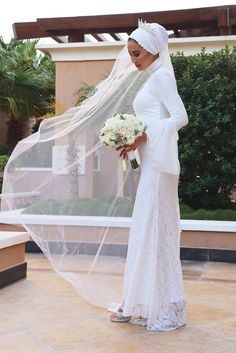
[151, 36]
[154, 39]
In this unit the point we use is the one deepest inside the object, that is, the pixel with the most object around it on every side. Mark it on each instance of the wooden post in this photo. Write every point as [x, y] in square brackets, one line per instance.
[224, 22]
[75, 36]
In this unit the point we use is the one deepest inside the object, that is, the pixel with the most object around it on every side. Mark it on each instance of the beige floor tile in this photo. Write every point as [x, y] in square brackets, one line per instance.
[203, 311]
[213, 290]
[50, 281]
[225, 328]
[43, 315]
[123, 345]
[188, 339]
[21, 342]
[72, 334]
[59, 286]
[194, 264]
[23, 293]
[38, 263]
[37, 256]
[220, 266]
[210, 301]
[62, 287]
[6, 325]
[193, 269]
[82, 263]
[45, 312]
[220, 272]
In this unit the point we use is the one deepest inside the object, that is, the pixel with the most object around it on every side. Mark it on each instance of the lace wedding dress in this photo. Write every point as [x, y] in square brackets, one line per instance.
[153, 284]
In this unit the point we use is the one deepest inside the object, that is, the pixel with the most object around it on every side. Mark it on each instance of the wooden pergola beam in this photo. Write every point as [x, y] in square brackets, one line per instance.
[27, 30]
[114, 23]
[218, 18]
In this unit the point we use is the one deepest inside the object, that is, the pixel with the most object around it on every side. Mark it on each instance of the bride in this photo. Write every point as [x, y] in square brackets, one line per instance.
[72, 194]
[153, 292]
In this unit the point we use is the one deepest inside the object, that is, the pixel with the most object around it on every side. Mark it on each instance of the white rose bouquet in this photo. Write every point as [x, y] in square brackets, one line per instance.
[122, 129]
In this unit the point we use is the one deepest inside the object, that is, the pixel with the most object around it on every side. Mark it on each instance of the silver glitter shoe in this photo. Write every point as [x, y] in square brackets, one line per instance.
[119, 317]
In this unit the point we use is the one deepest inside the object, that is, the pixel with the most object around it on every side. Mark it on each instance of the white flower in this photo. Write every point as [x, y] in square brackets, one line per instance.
[121, 129]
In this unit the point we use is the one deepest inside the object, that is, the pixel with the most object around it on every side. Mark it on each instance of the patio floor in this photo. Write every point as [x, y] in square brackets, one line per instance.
[44, 314]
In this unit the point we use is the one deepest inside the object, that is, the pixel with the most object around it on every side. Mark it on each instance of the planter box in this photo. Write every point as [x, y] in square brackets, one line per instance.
[13, 266]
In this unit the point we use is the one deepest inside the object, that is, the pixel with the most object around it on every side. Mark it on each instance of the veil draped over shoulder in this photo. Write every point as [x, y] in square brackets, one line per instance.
[73, 195]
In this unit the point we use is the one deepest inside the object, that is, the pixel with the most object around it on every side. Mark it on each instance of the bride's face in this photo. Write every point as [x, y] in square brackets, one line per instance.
[139, 56]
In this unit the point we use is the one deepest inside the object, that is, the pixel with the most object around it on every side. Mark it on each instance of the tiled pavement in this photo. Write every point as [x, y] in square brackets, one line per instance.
[44, 314]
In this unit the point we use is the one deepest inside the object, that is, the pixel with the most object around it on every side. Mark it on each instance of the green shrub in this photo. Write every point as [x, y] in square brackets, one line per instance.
[120, 207]
[207, 85]
[217, 215]
[103, 206]
[3, 162]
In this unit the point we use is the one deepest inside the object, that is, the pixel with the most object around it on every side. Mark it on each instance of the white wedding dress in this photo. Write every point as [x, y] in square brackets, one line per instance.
[153, 283]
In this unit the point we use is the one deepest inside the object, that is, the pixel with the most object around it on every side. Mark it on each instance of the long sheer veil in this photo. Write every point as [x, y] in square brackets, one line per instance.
[73, 195]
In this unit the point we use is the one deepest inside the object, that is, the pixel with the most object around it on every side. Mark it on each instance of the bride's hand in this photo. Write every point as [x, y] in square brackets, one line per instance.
[124, 150]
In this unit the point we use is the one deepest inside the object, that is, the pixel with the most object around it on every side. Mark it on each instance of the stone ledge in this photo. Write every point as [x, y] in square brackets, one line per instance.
[85, 51]
[213, 241]
[16, 217]
[8, 239]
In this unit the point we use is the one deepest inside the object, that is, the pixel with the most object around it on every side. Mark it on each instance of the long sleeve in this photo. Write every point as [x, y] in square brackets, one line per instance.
[164, 89]
[162, 135]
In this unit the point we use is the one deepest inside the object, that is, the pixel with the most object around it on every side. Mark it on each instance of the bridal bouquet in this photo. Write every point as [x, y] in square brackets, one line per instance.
[122, 129]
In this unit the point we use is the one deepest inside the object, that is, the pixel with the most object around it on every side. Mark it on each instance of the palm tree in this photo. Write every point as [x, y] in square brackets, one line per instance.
[27, 86]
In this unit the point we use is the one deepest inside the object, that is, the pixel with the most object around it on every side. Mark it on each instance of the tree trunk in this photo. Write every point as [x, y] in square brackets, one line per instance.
[17, 130]
[72, 158]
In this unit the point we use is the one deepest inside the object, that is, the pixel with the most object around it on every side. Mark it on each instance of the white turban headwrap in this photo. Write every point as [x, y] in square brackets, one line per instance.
[154, 39]
[151, 36]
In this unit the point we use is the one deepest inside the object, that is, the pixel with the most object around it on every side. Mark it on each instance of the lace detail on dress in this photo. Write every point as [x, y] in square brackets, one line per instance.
[153, 283]
[171, 317]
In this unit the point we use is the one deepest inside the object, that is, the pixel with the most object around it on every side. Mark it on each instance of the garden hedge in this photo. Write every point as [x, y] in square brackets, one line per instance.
[207, 85]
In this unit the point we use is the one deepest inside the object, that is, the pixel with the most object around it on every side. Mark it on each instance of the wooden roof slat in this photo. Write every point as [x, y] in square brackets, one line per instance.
[96, 36]
[114, 36]
[59, 39]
